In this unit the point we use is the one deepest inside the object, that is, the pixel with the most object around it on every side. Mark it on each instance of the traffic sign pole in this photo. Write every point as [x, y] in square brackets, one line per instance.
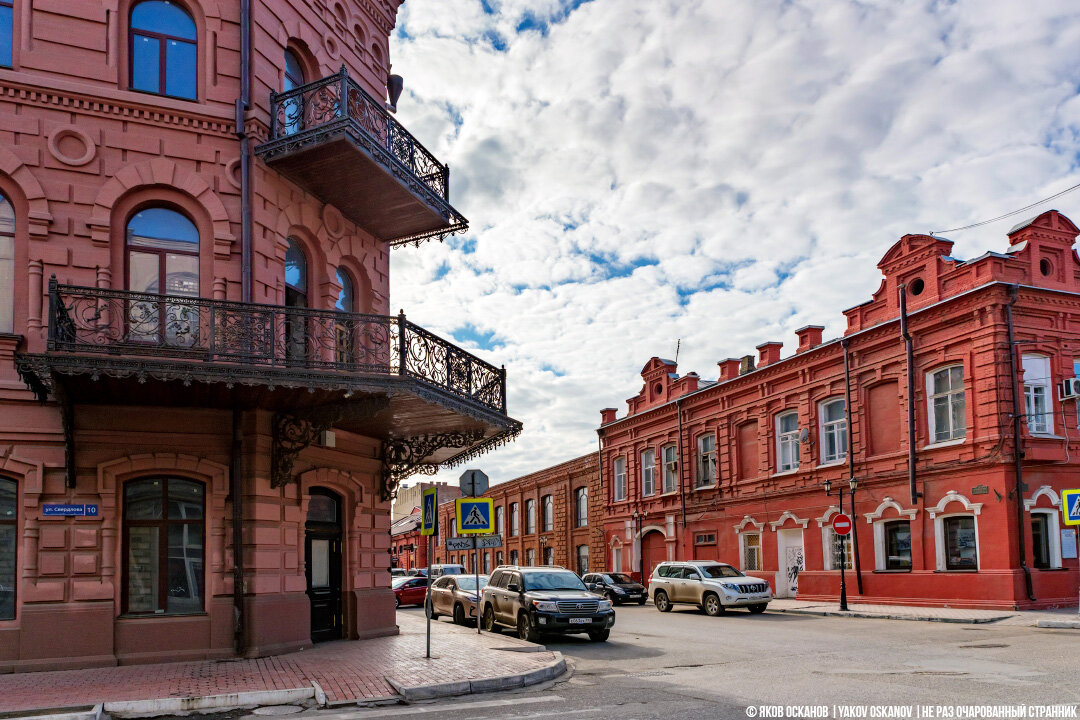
[476, 575]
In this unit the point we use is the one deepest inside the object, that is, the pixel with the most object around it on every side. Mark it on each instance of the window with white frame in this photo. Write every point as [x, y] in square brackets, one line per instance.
[499, 519]
[616, 559]
[961, 543]
[619, 490]
[837, 550]
[750, 550]
[530, 516]
[1038, 403]
[705, 538]
[1045, 539]
[945, 404]
[7, 263]
[648, 472]
[513, 557]
[549, 555]
[892, 545]
[514, 519]
[581, 507]
[530, 556]
[706, 461]
[671, 468]
[547, 513]
[833, 431]
[787, 442]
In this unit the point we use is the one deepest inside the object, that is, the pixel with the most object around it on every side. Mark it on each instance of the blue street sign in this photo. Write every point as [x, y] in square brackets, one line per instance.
[1070, 506]
[62, 510]
[429, 511]
[474, 516]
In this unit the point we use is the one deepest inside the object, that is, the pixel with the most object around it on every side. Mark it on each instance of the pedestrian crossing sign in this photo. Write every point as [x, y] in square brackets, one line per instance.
[474, 516]
[429, 516]
[1070, 506]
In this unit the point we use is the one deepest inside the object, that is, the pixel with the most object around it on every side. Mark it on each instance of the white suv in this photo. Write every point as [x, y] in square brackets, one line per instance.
[712, 586]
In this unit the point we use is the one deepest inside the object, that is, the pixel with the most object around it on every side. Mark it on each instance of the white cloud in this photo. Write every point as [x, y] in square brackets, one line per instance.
[639, 171]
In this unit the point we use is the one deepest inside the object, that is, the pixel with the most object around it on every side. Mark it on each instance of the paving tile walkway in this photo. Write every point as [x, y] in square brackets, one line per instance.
[936, 614]
[346, 670]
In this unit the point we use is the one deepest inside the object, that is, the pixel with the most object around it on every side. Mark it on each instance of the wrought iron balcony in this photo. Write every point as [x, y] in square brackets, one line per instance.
[339, 143]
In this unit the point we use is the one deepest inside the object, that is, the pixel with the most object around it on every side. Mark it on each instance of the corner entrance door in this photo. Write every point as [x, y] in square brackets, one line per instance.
[791, 562]
[322, 548]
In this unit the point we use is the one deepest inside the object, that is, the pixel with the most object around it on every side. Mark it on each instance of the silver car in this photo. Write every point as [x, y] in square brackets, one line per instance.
[712, 586]
[454, 595]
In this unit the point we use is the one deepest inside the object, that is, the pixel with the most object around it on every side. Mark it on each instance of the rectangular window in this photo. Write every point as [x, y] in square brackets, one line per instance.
[581, 507]
[706, 461]
[619, 491]
[1038, 405]
[945, 401]
[671, 468]
[146, 64]
[530, 517]
[513, 557]
[648, 472]
[705, 538]
[961, 552]
[499, 519]
[787, 442]
[840, 551]
[7, 30]
[7, 278]
[549, 555]
[582, 559]
[897, 539]
[8, 539]
[514, 519]
[498, 558]
[833, 431]
[616, 559]
[751, 555]
[1040, 540]
[180, 64]
[530, 557]
[548, 505]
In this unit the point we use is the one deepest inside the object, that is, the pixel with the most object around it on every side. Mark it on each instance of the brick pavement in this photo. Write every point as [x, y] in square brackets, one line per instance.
[346, 670]
[938, 614]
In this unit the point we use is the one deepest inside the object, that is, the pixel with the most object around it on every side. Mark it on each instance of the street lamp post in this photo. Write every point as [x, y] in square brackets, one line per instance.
[852, 483]
[640, 549]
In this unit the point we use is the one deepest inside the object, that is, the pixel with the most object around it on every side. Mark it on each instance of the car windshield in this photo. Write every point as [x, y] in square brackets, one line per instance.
[552, 581]
[398, 582]
[720, 571]
[619, 578]
[468, 583]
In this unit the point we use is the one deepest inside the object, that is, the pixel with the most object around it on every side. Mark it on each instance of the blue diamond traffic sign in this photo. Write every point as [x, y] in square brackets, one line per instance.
[1070, 506]
[474, 516]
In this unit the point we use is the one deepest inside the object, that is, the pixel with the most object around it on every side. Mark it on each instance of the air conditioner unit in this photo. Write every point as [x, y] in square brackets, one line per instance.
[1069, 388]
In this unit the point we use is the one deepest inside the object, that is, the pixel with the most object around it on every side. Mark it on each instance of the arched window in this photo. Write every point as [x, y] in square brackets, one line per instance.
[162, 259]
[8, 535]
[581, 504]
[164, 50]
[582, 559]
[7, 266]
[530, 517]
[548, 513]
[163, 551]
[296, 273]
[293, 108]
[345, 328]
[346, 299]
[7, 32]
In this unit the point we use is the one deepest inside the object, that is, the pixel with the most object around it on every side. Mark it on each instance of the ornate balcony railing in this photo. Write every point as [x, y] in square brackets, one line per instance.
[144, 325]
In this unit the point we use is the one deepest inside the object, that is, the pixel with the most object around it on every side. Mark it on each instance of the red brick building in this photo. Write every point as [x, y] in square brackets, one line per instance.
[205, 405]
[548, 517]
[734, 469]
[408, 549]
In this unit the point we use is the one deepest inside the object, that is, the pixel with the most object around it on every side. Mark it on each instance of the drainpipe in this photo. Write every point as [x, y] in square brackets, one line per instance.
[1018, 452]
[243, 104]
[236, 490]
[910, 371]
[682, 489]
[851, 466]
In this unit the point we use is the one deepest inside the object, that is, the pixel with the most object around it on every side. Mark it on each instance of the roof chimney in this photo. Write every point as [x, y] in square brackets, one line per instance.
[607, 415]
[729, 368]
[746, 364]
[809, 337]
[769, 353]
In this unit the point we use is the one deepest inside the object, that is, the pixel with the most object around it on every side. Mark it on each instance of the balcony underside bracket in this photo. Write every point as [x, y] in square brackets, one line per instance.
[403, 457]
[293, 432]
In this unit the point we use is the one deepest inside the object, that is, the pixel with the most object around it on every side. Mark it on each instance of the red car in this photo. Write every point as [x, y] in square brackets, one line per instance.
[409, 590]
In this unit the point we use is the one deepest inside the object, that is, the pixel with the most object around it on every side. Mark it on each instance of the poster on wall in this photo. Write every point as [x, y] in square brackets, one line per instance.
[1068, 543]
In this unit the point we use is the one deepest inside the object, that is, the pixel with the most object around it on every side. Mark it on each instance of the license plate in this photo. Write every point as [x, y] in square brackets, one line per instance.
[580, 621]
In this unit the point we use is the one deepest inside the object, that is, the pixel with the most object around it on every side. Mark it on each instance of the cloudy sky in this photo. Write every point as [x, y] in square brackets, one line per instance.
[722, 172]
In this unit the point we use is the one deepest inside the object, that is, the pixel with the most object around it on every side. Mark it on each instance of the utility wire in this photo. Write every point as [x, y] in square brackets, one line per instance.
[1009, 214]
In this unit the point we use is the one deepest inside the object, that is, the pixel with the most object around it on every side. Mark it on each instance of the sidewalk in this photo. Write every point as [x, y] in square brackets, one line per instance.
[1058, 618]
[333, 673]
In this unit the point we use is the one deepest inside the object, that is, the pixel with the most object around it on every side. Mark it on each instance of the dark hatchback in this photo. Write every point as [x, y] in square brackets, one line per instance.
[619, 588]
[544, 600]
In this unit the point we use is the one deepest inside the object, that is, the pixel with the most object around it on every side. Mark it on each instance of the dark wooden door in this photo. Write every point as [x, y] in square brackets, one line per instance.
[322, 549]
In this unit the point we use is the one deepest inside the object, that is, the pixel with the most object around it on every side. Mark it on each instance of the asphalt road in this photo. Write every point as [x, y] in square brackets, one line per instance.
[686, 665]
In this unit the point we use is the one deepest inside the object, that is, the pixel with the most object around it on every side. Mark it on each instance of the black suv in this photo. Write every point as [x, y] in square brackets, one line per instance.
[539, 600]
[619, 588]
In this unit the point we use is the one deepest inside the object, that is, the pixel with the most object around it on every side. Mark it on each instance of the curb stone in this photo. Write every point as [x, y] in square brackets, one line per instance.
[878, 616]
[1059, 624]
[467, 687]
[76, 712]
[228, 701]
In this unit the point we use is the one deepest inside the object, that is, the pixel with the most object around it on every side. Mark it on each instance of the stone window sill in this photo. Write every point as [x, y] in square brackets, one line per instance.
[832, 463]
[704, 487]
[944, 444]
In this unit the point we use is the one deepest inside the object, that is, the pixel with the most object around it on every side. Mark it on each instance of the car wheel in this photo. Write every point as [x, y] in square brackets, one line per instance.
[431, 611]
[611, 597]
[660, 600]
[525, 629]
[397, 601]
[599, 635]
[489, 619]
[712, 606]
[642, 601]
[757, 609]
[459, 614]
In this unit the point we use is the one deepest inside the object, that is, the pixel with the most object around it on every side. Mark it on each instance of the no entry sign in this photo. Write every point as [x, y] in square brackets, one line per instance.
[841, 524]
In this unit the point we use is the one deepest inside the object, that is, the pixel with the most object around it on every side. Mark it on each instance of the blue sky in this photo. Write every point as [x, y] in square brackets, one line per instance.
[720, 172]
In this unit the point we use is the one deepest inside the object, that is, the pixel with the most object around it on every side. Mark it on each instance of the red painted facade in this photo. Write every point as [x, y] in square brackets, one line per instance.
[778, 431]
[300, 446]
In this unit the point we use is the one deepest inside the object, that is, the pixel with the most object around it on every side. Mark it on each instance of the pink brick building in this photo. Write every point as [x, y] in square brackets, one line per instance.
[198, 199]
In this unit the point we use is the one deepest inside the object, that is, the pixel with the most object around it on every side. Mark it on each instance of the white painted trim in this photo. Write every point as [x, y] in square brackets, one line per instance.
[886, 503]
[953, 496]
[649, 528]
[788, 515]
[615, 541]
[879, 537]
[833, 510]
[944, 444]
[1053, 529]
[1046, 490]
[749, 519]
[939, 538]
